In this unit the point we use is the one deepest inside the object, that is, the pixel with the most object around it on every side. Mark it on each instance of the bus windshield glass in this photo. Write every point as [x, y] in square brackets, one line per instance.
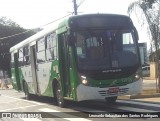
[106, 49]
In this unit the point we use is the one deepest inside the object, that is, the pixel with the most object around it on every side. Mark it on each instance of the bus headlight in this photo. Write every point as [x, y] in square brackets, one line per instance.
[138, 74]
[84, 80]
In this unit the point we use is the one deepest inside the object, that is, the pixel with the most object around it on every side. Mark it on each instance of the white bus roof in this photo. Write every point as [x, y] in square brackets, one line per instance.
[33, 38]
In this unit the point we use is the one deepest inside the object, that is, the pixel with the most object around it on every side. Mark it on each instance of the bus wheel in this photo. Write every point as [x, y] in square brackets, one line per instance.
[59, 96]
[111, 99]
[26, 91]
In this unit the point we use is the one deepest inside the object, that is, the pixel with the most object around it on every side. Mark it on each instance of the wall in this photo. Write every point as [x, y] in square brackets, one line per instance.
[152, 70]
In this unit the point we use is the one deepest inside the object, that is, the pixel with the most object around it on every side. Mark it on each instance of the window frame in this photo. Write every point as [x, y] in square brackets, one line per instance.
[38, 44]
[20, 57]
[26, 53]
[51, 41]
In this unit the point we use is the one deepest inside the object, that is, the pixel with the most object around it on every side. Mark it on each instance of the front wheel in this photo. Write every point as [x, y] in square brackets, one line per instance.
[111, 99]
[59, 95]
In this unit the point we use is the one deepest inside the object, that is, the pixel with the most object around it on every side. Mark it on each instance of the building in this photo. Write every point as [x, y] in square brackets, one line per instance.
[143, 53]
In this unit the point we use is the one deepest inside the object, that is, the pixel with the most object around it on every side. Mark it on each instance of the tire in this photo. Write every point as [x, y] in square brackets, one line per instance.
[26, 91]
[59, 95]
[111, 99]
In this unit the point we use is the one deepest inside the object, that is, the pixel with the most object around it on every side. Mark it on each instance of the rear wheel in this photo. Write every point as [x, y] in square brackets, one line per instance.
[111, 99]
[59, 95]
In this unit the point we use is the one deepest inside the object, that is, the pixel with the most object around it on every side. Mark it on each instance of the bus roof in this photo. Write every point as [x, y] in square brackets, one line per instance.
[57, 29]
[31, 39]
[38, 35]
[107, 15]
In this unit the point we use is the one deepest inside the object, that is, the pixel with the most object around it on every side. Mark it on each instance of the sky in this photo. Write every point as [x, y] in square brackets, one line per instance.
[35, 13]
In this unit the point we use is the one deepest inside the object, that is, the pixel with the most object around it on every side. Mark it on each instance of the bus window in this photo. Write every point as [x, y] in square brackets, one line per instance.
[41, 57]
[106, 49]
[51, 47]
[12, 60]
[20, 57]
[26, 55]
[128, 43]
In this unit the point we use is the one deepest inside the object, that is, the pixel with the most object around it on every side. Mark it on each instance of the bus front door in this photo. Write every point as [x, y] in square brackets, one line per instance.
[65, 63]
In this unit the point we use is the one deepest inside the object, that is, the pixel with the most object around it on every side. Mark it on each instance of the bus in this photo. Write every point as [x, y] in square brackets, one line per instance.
[85, 57]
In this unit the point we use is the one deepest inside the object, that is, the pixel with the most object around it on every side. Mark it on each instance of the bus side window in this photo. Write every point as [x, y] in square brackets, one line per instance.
[26, 55]
[12, 60]
[51, 53]
[41, 57]
[20, 57]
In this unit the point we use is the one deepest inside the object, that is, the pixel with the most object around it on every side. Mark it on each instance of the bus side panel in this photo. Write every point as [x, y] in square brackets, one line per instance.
[43, 75]
[74, 79]
[15, 83]
[53, 74]
[26, 75]
[15, 73]
[21, 77]
[17, 78]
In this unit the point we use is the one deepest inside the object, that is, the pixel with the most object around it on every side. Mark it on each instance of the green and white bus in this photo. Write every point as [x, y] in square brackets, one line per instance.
[86, 57]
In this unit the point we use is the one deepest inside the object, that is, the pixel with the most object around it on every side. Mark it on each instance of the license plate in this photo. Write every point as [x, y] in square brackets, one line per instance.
[113, 90]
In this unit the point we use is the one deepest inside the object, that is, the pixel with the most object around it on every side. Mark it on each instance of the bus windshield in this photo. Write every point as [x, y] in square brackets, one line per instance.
[106, 49]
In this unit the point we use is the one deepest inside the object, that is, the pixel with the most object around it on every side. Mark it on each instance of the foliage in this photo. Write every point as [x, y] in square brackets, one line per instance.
[147, 4]
[7, 22]
[152, 56]
[151, 11]
[8, 28]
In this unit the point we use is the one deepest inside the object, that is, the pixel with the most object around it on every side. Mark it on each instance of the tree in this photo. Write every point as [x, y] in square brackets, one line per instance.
[7, 22]
[152, 56]
[8, 28]
[151, 11]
